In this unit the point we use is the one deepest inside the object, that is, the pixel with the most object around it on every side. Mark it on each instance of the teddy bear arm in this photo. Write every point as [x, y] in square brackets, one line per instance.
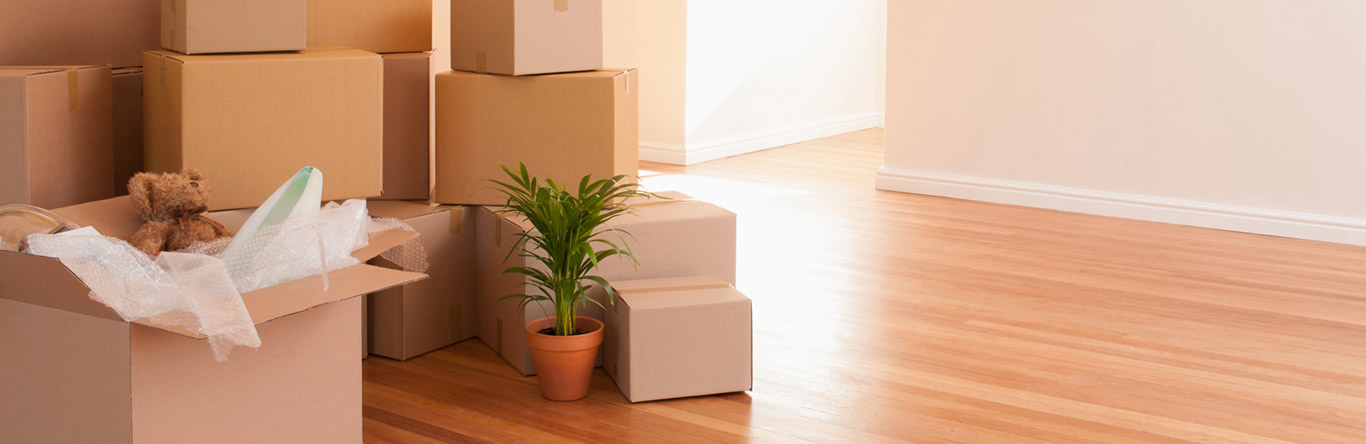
[152, 237]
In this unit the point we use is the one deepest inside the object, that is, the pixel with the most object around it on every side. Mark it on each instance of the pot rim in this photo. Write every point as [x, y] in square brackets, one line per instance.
[578, 320]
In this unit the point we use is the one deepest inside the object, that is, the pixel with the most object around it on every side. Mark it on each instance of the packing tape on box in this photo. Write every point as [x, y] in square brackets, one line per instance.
[679, 288]
[481, 62]
[162, 75]
[561, 5]
[497, 230]
[73, 90]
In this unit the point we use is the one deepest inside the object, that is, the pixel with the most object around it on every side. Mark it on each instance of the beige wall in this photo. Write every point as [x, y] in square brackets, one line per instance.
[1237, 114]
[651, 35]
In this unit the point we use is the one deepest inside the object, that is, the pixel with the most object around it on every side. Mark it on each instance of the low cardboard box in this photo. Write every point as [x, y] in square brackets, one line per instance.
[677, 237]
[407, 126]
[377, 26]
[562, 126]
[127, 85]
[519, 37]
[251, 121]
[221, 26]
[55, 135]
[74, 371]
[78, 32]
[677, 337]
[417, 318]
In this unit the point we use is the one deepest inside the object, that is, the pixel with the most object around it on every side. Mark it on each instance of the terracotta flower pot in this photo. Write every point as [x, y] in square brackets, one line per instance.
[564, 364]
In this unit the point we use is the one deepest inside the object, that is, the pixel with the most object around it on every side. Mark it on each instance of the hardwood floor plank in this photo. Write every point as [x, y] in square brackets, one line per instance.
[892, 317]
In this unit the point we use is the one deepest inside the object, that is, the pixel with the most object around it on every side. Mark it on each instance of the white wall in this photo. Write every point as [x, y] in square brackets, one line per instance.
[721, 78]
[1236, 114]
[764, 73]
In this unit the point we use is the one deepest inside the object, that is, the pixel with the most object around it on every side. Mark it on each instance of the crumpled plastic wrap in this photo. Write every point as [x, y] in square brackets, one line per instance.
[200, 287]
[191, 290]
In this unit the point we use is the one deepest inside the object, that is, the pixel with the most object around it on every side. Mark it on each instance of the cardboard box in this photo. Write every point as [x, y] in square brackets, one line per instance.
[519, 37]
[417, 318]
[377, 26]
[55, 135]
[677, 337]
[78, 32]
[74, 371]
[221, 26]
[407, 126]
[127, 103]
[679, 237]
[562, 126]
[250, 121]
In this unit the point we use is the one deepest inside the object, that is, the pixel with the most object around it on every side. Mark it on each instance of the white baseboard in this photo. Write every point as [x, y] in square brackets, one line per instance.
[1131, 206]
[663, 153]
[695, 153]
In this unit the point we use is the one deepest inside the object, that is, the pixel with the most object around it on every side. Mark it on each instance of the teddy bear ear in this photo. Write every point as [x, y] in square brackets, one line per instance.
[192, 173]
[140, 190]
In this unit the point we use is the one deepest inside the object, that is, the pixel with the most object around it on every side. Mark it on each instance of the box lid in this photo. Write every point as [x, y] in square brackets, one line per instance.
[645, 294]
[48, 283]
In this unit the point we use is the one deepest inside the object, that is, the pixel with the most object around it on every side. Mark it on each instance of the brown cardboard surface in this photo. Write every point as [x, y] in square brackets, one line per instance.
[303, 385]
[378, 26]
[127, 113]
[677, 337]
[417, 318]
[251, 121]
[78, 32]
[562, 126]
[65, 376]
[407, 126]
[519, 37]
[139, 382]
[677, 237]
[220, 26]
[56, 138]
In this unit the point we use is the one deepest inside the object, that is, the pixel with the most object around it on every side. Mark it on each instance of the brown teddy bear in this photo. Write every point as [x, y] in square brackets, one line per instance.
[172, 206]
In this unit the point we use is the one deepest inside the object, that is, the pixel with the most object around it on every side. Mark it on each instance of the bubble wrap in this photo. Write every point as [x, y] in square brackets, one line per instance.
[296, 248]
[189, 290]
[200, 287]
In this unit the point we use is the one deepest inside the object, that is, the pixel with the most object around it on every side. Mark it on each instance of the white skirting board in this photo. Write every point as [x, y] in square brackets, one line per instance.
[694, 153]
[1131, 206]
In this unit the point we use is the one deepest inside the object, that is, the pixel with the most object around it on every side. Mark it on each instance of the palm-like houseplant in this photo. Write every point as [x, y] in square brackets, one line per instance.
[568, 242]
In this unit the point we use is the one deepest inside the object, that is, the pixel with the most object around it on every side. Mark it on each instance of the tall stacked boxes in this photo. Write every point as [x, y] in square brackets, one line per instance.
[74, 371]
[675, 237]
[563, 126]
[677, 337]
[127, 110]
[250, 121]
[55, 135]
[417, 318]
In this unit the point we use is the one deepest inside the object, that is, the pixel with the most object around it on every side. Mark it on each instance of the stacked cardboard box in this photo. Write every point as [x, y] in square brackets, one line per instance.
[55, 135]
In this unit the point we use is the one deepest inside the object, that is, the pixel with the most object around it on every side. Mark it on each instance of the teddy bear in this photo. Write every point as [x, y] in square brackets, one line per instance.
[172, 207]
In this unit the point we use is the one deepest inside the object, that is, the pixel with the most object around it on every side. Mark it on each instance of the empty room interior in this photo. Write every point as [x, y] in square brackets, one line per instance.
[678, 221]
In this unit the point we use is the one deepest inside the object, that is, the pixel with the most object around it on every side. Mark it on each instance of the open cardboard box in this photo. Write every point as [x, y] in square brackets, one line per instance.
[74, 371]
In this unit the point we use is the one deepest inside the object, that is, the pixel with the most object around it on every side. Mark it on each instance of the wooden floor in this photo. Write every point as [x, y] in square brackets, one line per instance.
[889, 317]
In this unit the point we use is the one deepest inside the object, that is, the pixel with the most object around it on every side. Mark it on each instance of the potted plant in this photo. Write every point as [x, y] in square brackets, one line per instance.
[566, 245]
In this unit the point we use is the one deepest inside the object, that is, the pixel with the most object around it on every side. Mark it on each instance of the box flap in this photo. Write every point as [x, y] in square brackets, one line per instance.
[48, 283]
[297, 296]
[24, 71]
[313, 52]
[382, 242]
